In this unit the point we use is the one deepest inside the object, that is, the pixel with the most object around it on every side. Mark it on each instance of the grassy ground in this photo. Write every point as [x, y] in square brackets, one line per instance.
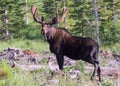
[38, 78]
[38, 46]
[17, 77]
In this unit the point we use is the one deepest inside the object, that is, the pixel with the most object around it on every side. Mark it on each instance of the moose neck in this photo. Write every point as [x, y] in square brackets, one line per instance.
[49, 36]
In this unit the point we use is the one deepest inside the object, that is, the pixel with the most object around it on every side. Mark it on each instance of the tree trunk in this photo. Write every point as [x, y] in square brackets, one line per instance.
[5, 24]
[96, 21]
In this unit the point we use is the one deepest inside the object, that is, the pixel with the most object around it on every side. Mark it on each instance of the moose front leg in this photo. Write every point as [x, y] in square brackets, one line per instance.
[60, 60]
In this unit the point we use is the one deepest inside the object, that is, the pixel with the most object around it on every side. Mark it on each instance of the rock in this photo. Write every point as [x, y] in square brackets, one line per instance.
[74, 73]
[52, 63]
[54, 81]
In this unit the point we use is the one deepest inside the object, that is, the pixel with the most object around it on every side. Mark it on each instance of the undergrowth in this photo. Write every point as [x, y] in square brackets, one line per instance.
[35, 45]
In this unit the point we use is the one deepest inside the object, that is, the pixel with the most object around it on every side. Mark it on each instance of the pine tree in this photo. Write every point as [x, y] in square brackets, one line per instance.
[12, 16]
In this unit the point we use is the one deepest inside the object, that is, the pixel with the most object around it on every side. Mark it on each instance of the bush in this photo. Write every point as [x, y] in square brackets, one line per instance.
[107, 83]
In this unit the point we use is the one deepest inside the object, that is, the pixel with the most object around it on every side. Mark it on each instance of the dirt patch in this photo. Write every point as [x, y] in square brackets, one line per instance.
[31, 61]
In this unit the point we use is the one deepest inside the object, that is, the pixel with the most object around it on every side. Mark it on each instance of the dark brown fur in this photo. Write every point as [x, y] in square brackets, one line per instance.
[62, 43]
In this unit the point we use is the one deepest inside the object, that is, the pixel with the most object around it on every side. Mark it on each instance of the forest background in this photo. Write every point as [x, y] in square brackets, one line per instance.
[16, 20]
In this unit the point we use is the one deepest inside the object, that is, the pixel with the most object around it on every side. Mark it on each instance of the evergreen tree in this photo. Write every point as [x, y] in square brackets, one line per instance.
[83, 17]
[80, 18]
[14, 15]
[109, 18]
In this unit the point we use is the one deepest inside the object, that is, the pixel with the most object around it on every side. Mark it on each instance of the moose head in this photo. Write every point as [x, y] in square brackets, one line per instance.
[47, 26]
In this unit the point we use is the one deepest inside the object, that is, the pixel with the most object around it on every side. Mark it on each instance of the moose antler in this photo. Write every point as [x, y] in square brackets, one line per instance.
[35, 13]
[56, 20]
[53, 20]
[64, 13]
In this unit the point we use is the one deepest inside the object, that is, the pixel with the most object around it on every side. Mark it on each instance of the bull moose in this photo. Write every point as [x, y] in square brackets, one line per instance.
[62, 43]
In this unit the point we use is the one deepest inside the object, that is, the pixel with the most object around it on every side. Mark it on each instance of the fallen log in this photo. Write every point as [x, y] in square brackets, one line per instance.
[29, 67]
[108, 71]
[103, 68]
[43, 66]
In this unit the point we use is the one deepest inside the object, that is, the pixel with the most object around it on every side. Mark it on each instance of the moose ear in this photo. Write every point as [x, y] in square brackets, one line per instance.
[53, 21]
[42, 19]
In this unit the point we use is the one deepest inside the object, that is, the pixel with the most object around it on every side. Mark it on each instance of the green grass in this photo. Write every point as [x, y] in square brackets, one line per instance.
[35, 45]
[113, 48]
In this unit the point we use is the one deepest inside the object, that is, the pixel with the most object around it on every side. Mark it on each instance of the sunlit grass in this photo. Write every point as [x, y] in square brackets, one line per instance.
[113, 48]
[35, 45]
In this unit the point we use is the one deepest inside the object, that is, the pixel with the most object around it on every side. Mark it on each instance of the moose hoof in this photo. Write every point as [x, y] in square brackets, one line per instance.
[96, 78]
[92, 78]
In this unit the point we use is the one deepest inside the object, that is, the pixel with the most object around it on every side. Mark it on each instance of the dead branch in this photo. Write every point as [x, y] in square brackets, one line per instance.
[104, 68]
[108, 71]
[29, 67]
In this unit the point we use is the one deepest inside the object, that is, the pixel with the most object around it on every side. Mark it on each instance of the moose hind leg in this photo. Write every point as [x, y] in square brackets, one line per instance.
[99, 73]
[96, 65]
[93, 56]
[95, 70]
[98, 70]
